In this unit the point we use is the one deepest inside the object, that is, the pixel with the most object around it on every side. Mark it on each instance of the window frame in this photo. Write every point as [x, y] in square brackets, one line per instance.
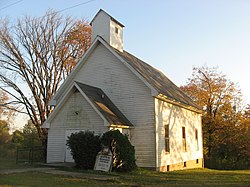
[196, 139]
[166, 138]
[184, 141]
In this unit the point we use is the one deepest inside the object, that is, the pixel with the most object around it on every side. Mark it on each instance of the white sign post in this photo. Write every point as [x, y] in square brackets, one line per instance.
[103, 161]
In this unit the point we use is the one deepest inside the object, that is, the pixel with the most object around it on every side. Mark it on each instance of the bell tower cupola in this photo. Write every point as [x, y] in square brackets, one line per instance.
[108, 28]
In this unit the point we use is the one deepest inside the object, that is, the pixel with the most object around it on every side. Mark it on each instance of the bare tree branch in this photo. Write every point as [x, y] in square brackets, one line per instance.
[35, 57]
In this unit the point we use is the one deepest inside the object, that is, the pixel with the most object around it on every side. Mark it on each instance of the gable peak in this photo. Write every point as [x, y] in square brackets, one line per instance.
[102, 11]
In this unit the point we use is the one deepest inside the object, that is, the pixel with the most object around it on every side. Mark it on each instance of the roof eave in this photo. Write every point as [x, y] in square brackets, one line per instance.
[171, 101]
[121, 126]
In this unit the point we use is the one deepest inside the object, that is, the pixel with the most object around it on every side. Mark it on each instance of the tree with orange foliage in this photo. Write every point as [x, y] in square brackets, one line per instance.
[222, 112]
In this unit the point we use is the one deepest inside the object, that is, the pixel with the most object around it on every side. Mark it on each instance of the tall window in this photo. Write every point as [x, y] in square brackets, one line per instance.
[184, 143]
[167, 147]
[196, 139]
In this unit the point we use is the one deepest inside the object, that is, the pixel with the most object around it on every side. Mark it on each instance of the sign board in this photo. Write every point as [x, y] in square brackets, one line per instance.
[103, 161]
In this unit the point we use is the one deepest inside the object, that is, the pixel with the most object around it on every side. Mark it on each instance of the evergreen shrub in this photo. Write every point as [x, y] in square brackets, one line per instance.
[122, 150]
[84, 148]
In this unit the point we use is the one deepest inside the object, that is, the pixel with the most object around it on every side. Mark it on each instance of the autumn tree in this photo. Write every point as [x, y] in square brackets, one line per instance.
[245, 138]
[36, 55]
[221, 102]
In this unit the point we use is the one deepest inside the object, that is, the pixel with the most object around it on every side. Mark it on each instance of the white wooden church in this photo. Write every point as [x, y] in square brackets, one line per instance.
[112, 89]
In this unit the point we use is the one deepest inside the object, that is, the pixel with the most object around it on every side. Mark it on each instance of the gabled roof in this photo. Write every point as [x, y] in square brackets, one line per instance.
[99, 101]
[157, 79]
[113, 19]
[104, 105]
[153, 78]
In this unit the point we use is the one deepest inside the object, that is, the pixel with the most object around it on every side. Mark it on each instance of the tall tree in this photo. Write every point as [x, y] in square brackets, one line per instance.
[36, 55]
[220, 99]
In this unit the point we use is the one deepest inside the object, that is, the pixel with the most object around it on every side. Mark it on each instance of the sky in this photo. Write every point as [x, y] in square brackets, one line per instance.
[172, 35]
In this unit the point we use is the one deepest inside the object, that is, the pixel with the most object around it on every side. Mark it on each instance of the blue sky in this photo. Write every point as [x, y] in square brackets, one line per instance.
[171, 35]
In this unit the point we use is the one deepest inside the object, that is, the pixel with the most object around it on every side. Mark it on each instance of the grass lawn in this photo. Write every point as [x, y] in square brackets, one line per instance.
[140, 177]
[37, 179]
[6, 163]
[197, 177]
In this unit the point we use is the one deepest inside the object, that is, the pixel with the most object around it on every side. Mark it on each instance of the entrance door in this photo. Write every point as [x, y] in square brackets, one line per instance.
[68, 156]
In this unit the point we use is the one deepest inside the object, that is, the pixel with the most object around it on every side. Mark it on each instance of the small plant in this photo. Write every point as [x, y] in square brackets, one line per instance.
[122, 150]
[84, 148]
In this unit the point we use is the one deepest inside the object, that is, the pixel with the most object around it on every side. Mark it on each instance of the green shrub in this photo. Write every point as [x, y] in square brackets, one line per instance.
[84, 148]
[122, 150]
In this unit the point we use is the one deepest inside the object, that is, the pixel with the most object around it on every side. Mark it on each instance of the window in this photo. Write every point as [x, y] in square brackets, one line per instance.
[196, 139]
[167, 148]
[185, 164]
[184, 144]
[116, 30]
[197, 161]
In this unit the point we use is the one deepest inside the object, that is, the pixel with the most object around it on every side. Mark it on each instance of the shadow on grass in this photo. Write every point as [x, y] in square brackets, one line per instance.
[137, 178]
[194, 177]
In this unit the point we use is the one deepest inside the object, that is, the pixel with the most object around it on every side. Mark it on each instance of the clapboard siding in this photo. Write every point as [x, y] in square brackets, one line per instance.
[56, 145]
[102, 69]
[176, 118]
[87, 119]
